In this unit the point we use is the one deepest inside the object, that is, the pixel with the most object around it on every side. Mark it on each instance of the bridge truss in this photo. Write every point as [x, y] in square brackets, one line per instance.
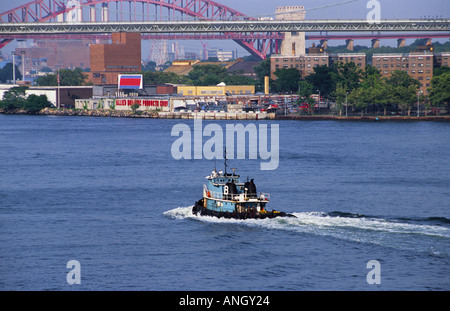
[183, 19]
[98, 12]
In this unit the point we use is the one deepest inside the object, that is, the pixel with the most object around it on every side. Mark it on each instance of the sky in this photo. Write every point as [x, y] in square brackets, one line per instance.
[348, 9]
[355, 10]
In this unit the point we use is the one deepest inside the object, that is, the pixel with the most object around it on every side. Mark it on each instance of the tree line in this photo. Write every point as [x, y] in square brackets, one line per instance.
[363, 89]
[16, 99]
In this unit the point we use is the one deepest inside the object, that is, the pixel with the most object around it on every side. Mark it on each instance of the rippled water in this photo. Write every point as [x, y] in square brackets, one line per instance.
[108, 193]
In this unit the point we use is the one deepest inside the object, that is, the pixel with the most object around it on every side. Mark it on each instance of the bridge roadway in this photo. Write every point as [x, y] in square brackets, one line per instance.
[246, 26]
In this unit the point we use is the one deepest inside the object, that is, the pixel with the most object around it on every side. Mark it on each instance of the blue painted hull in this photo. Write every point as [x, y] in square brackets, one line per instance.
[199, 209]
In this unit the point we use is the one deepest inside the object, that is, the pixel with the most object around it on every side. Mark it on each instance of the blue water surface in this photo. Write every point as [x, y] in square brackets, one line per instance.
[108, 193]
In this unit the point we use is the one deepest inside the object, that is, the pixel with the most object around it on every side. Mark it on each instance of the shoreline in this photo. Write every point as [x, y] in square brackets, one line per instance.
[232, 116]
[365, 118]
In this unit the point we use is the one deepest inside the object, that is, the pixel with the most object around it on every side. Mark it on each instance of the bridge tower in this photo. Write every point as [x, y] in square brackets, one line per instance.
[293, 43]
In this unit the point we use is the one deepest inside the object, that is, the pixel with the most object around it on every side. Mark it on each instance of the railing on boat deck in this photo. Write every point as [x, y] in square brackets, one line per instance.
[236, 197]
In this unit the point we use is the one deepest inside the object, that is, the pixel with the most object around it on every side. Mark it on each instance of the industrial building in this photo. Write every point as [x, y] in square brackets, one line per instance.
[63, 96]
[218, 90]
[122, 55]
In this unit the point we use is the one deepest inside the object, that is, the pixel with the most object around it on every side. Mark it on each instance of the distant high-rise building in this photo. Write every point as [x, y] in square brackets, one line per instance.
[159, 52]
[221, 55]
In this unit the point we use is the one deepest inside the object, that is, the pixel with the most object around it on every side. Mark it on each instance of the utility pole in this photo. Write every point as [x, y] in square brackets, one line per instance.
[418, 103]
[23, 65]
[14, 66]
[318, 104]
[59, 93]
[346, 104]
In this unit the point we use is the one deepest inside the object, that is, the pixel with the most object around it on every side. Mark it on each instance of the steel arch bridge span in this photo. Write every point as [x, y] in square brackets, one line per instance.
[137, 10]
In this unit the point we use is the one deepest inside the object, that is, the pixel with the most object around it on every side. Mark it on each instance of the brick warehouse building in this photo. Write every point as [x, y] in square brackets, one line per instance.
[123, 55]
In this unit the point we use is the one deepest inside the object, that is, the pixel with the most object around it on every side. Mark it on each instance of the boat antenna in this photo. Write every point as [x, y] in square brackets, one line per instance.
[225, 157]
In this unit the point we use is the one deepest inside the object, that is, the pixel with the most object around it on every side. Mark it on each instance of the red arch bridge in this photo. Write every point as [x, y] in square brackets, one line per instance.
[260, 37]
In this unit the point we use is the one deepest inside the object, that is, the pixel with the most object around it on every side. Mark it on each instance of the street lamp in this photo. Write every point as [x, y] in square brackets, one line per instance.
[23, 65]
[14, 66]
[346, 104]
[318, 103]
[418, 103]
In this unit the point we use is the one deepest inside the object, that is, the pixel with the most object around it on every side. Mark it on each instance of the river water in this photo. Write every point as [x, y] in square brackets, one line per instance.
[107, 193]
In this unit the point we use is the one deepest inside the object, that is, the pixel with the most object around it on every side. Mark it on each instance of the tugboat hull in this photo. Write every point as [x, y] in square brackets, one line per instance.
[199, 209]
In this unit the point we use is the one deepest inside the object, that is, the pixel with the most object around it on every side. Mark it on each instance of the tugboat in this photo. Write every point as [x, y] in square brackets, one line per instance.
[226, 196]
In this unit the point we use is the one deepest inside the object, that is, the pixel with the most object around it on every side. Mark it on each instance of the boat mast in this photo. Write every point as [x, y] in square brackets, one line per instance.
[225, 157]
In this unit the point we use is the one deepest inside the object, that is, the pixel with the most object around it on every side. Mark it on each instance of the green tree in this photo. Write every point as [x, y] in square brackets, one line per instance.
[323, 80]
[376, 91]
[348, 75]
[341, 96]
[287, 80]
[262, 70]
[402, 89]
[14, 98]
[440, 70]
[68, 77]
[135, 107]
[239, 79]
[35, 103]
[6, 73]
[150, 66]
[440, 90]
[204, 75]
[305, 89]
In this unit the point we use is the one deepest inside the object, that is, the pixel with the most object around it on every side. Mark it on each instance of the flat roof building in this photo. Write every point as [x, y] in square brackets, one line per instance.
[418, 65]
[123, 55]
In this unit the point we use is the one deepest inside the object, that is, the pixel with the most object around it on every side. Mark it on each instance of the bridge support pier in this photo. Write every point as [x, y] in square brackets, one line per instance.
[375, 43]
[293, 43]
[401, 42]
[324, 44]
[349, 43]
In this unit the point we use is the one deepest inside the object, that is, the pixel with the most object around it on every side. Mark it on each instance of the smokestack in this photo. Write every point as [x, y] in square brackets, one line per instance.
[266, 85]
